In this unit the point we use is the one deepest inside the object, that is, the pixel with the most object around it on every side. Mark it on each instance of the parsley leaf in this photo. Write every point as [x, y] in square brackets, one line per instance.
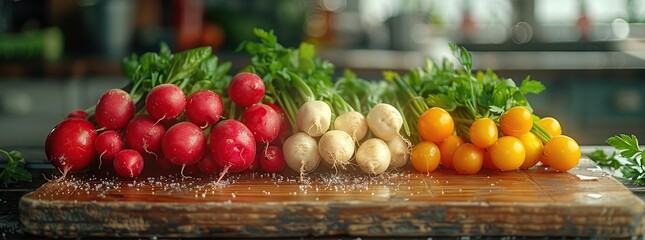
[633, 167]
[15, 169]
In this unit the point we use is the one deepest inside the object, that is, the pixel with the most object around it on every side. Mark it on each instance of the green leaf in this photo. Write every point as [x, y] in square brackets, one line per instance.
[531, 86]
[15, 168]
[496, 110]
[629, 172]
[625, 144]
[185, 63]
[463, 56]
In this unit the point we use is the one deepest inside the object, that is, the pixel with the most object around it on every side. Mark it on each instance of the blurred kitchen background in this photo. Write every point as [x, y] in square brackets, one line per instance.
[60, 55]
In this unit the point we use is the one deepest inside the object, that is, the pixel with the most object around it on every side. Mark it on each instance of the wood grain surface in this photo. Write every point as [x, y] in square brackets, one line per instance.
[539, 202]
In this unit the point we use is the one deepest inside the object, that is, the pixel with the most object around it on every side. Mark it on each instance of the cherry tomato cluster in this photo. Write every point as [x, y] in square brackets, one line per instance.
[503, 144]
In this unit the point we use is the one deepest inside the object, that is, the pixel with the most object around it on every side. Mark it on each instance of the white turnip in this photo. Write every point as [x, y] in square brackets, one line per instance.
[314, 118]
[301, 153]
[385, 121]
[399, 150]
[353, 123]
[373, 156]
[336, 148]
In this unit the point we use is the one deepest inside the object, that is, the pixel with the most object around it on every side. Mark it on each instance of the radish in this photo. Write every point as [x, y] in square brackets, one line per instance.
[301, 153]
[353, 123]
[233, 146]
[161, 161]
[207, 164]
[107, 145]
[373, 156]
[272, 160]
[204, 108]
[399, 150]
[114, 109]
[285, 126]
[183, 144]
[144, 135]
[70, 145]
[246, 89]
[314, 118]
[336, 148]
[255, 165]
[263, 122]
[165, 102]
[385, 121]
[78, 113]
[128, 163]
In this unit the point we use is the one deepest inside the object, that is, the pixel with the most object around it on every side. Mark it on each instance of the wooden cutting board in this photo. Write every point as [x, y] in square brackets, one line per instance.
[582, 202]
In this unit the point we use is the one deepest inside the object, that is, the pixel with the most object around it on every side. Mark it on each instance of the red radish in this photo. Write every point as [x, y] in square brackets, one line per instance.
[190, 170]
[78, 113]
[207, 164]
[263, 121]
[144, 135]
[246, 89]
[255, 165]
[161, 161]
[233, 146]
[272, 160]
[70, 145]
[165, 102]
[184, 144]
[107, 145]
[114, 109]
[285, 126]
[204, 108]
[128, 163]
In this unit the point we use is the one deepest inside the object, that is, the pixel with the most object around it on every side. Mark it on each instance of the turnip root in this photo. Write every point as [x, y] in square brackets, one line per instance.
[314, 118]
[301, 153]
[373, 156]
[385, 121]
[399, 150]
[352, 123]
[336, 147]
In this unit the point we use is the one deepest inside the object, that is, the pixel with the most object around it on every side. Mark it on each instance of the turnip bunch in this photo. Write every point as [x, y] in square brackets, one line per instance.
[301, 83]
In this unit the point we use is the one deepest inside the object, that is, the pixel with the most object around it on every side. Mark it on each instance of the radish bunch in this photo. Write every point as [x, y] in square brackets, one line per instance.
[173, 130]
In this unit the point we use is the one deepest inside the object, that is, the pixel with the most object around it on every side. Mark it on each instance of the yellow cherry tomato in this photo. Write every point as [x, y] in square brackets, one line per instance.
[483, 132]
[488, 163]
[507, 153]
[425, 157]
[516, 121]
[533, 148]
[447, 147]
[562, 153]
[468, 159]
[551, 125]
[435, 125]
